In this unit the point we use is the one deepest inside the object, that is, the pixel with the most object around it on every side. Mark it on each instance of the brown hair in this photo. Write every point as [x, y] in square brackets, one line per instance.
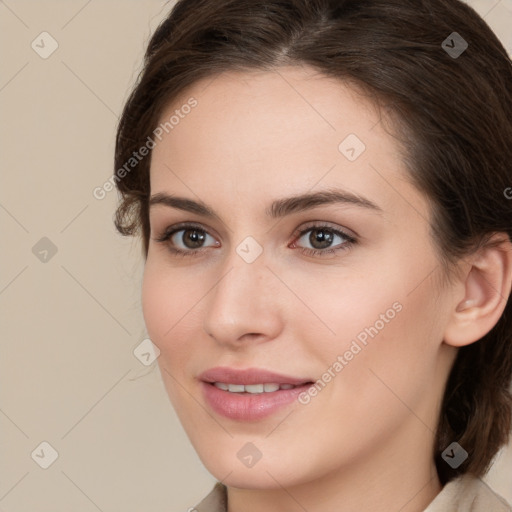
[454, 112]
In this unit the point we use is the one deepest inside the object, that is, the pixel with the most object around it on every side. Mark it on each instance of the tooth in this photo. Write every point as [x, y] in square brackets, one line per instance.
[236, 388]
[254, 388]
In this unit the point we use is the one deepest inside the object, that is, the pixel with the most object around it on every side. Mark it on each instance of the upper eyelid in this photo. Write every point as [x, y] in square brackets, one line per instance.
[186, 225]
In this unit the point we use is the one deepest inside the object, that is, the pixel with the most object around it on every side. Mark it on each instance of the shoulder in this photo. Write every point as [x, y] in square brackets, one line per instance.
[216, 501]
[468, 494]
[464, 494]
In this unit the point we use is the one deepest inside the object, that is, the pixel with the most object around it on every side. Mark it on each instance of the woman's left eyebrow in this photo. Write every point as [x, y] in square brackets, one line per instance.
[279, 208]
[288, 205]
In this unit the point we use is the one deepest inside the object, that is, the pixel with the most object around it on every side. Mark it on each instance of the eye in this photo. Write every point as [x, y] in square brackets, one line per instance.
[323, 240]
[186, 239]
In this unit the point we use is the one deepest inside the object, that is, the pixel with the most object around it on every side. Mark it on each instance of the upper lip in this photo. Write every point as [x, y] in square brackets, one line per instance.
[248, 376]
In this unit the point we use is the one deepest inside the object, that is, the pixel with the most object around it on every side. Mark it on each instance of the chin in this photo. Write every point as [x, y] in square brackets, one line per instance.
[262, 475]
[247, 479]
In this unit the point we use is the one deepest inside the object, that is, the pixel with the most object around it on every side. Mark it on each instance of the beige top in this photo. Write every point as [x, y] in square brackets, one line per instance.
[464, 494]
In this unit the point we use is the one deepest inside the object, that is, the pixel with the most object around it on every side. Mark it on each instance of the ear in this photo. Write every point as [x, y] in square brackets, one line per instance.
[482, 292]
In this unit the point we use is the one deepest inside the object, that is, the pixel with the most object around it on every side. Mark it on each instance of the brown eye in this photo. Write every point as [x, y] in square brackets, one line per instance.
[191, 238]
[323, 237]
[187, 240]
[323, 240]
[320, 238]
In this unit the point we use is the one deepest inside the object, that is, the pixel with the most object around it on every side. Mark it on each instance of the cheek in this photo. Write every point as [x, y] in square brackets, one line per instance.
[385, 328]
[156, 304]
[163, 305]
[396, 370]
[385, 298]
[342, 307]
[170, 300]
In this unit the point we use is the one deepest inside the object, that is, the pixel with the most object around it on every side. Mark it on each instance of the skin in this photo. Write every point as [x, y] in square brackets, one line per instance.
[365, 442]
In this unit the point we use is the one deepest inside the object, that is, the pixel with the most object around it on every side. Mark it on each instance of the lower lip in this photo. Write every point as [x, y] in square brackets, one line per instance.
[249, 406]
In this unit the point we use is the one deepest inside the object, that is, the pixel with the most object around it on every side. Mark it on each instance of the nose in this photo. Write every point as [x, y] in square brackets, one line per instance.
[244, 304]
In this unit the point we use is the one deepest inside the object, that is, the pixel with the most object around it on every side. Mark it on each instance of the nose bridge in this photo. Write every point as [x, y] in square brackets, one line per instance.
[241, 302]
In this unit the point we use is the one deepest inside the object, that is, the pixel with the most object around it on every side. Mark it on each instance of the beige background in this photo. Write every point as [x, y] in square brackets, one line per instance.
[70, 324]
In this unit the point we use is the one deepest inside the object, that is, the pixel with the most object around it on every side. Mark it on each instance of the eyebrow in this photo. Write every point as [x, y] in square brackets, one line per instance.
[279, 208]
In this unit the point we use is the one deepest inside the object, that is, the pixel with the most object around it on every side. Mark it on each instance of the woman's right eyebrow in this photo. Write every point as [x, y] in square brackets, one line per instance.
[279, 208]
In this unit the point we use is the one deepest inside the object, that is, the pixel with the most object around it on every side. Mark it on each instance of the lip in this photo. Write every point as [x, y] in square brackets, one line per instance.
[248, 376]
[249, 406]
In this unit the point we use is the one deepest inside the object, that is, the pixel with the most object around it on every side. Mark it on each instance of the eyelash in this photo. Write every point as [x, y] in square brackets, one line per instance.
[169, 232]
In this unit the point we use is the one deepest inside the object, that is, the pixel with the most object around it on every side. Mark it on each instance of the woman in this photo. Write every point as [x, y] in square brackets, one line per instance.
[321, 190]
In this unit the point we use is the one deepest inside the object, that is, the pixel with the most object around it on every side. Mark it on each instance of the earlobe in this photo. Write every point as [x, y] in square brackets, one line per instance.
[486, 289]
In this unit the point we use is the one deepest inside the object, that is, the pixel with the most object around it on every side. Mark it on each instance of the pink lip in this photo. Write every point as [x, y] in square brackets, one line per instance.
[248, 376]
[249, 406]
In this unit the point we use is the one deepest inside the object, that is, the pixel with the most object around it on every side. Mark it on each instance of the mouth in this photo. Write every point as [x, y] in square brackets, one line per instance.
[254, 389]
[250, 377]
[250, 394]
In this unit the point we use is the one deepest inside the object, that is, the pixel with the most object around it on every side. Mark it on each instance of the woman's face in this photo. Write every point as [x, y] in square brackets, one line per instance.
[341, 290]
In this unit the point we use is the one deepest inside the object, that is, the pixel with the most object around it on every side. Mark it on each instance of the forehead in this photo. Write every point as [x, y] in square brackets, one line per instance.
[255, 134]
[272, 110]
